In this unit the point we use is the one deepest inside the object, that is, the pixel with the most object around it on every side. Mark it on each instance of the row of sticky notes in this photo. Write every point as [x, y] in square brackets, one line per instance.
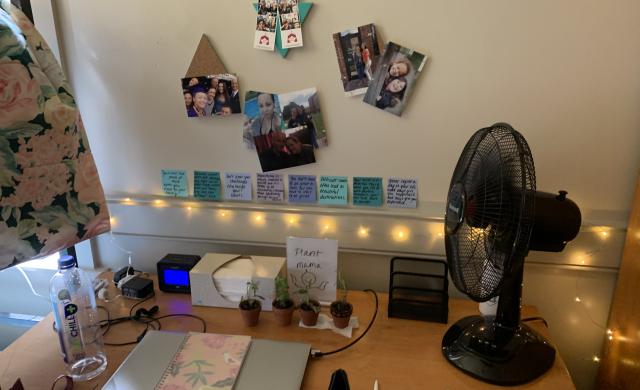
[332, 190]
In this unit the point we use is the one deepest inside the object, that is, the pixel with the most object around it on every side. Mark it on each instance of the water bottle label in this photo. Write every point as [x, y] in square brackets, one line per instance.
[71, 328]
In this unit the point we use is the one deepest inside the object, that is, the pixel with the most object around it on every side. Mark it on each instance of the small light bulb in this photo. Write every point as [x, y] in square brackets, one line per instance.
[440, 234]
[609, 331]
[596, 359]
[400, 234]
[326, 227]
[258, 218]
[578, 299]
[363, 232]
[610, 337]
[112, 220]
[292, 220]
[158, 202]
[223, 213]
[127, 199]
[189, 208]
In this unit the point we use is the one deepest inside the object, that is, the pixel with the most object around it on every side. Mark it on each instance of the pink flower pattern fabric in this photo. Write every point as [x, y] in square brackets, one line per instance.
[50, 193]
[206, 361]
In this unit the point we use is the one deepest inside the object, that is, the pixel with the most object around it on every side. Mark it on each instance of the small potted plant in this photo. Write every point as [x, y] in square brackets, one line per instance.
[283, 305]
[309, 307]
[250, 305]
[341, 310]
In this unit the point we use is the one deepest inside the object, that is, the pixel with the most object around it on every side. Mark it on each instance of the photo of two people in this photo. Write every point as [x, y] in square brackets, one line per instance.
[284, 129]
[213, 95]
[358, 51]
[394, 79]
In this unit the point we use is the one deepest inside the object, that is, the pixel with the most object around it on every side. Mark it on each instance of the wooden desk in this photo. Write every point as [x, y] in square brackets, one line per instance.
[401, 354]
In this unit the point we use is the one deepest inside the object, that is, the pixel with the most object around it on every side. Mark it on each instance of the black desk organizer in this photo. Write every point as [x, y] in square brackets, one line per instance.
[418, 289]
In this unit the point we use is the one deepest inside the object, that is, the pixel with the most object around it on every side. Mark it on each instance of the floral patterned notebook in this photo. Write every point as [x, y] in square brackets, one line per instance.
[205, 361]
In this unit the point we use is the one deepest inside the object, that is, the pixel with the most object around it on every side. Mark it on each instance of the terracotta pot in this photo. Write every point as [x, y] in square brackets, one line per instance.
[251, 317]
[341, 313]
[283, 316]
[309, 317]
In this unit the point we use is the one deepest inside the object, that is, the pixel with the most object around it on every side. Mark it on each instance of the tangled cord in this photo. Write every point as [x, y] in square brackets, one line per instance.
[318, 354]
[142, 316]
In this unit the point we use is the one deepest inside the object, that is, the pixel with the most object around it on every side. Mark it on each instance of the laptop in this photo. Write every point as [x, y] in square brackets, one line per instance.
[145, 365]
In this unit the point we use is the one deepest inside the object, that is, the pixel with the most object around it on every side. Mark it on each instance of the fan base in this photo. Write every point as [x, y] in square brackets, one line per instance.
[470, 345]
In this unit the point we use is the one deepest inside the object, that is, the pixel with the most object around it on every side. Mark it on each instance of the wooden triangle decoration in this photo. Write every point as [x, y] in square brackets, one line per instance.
[205, 61]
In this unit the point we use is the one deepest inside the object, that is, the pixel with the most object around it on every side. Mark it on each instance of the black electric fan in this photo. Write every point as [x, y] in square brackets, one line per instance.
[494, 216]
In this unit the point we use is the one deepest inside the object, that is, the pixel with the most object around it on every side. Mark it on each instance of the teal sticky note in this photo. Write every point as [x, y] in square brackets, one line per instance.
[333, 190]
[367, 191]
[174, 182]
[206, 185]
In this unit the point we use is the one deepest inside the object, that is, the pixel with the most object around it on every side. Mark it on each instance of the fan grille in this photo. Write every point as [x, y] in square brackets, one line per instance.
[497, 175]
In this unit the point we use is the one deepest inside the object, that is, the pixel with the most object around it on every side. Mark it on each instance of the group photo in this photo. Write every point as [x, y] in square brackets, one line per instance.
[283, 129]
[213, 95]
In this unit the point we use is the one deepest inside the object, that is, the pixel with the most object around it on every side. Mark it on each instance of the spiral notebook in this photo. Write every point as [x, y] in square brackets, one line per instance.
[205, 360]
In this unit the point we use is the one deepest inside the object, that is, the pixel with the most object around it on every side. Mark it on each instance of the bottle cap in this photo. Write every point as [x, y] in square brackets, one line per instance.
[65, 262]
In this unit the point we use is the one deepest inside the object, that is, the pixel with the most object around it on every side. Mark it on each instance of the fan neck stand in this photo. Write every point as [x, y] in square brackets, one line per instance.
[500, 349]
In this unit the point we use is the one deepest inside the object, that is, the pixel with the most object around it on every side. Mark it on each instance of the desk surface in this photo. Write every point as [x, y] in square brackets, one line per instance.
[401, 354]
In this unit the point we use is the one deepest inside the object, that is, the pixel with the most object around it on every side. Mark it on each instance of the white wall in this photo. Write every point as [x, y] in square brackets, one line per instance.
[563, 73]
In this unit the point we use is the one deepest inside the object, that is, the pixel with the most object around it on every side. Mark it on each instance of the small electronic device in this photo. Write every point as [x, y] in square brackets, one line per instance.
[173, 272]
[122, 273]
[137, 288]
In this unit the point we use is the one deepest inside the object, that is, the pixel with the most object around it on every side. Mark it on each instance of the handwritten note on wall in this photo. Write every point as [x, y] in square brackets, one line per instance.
[270, 187]
[237, 186]
[312, 263]
[367, 191]
[206, 185]
[302, 189]
[333, 190]
[174, 182]
[402, 193]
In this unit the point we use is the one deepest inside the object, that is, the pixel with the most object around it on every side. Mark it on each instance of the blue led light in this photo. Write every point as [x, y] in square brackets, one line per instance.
[176, 277]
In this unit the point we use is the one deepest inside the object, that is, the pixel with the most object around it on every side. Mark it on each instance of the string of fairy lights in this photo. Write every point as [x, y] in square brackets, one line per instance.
[327, 226]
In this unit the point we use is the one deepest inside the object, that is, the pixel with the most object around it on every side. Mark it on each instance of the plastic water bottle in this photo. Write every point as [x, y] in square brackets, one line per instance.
[74, 308]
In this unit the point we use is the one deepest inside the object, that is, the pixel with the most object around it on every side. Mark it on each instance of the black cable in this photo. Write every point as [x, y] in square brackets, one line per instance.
[536, 319]
[318, 354]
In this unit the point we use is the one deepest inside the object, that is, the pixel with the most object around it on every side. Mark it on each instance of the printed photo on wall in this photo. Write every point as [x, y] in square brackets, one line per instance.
[358, 51]
[302, 117]
[265, 35]
[284, 129]
[395, 78]
[290, 28]
[213, 95]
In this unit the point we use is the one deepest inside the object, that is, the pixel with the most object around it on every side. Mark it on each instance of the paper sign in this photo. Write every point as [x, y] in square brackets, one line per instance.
[313, 264]
[402, 193]
[206, 185]
[270, 187]
[237, 186]
[174, 182]
[302, 189]
[367, 191]
[333, 190]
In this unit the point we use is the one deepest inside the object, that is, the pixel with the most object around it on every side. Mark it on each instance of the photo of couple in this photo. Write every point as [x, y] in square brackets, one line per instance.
[290, 24]
[358, 51]
[265, 34]
[393, 80]
[283, 129]
[213, 95]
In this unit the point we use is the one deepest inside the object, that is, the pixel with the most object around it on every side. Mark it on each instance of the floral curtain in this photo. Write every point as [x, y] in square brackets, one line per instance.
[50, 193]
